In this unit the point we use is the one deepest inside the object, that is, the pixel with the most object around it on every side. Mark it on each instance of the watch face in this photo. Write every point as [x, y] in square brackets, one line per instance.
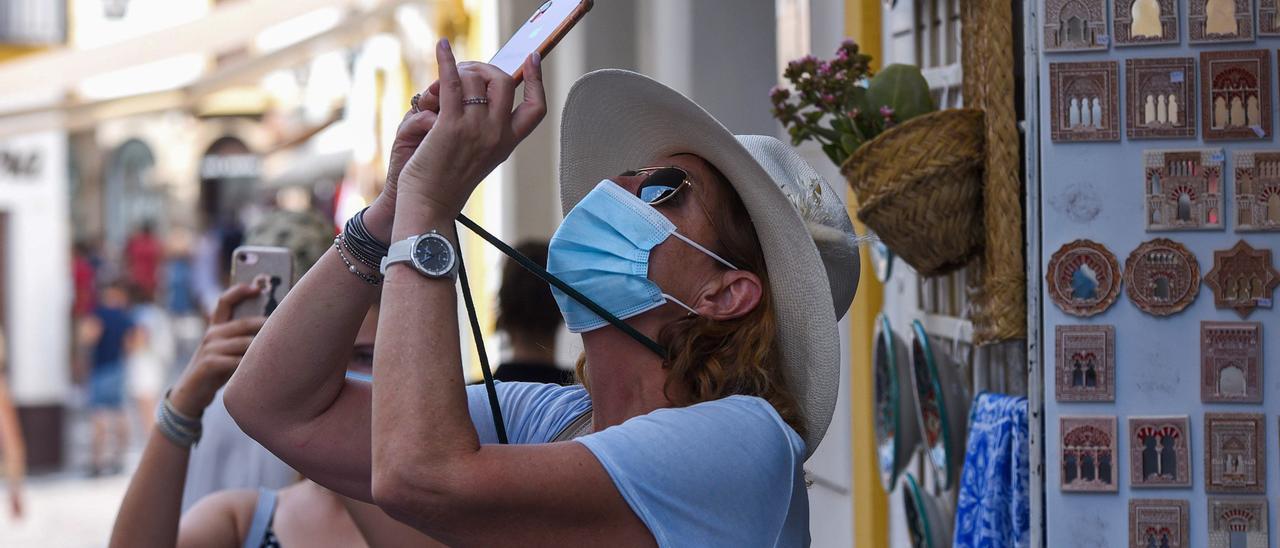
[433, 254]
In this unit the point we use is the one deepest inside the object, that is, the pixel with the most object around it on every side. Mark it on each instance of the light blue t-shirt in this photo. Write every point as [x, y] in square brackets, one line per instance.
[718, 473]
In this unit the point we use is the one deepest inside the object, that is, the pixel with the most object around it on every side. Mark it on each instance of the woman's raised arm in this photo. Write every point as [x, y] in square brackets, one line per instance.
[289, 393]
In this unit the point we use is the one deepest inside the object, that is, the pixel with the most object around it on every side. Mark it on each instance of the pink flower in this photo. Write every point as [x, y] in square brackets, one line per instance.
[886, 112]
[829, 98]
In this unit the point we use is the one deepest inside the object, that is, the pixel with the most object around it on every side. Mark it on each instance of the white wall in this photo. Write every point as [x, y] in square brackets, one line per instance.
[39, 275]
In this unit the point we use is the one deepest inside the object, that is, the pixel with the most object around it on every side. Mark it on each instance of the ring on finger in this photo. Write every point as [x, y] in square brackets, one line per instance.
[413, 103]
[477, 100]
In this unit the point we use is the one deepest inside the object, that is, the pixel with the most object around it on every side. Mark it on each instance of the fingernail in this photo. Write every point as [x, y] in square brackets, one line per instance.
[444, 44]
[537, 59]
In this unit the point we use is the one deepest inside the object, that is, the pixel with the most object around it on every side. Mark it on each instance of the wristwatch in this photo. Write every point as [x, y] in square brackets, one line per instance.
[432, 254]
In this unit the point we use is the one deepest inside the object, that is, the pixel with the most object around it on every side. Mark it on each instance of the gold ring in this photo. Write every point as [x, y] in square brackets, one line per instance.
[414, 103]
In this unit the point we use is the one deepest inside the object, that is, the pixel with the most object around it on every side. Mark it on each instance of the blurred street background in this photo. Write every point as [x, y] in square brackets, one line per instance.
[141, 139]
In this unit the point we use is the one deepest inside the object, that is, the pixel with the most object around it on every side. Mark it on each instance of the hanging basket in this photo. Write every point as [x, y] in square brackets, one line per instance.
[919, 187]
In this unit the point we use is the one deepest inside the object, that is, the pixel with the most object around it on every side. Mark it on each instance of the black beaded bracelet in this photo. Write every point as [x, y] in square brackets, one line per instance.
[363, 246]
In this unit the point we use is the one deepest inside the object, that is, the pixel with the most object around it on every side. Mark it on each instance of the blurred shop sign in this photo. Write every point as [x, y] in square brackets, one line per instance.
[22, 165]
[230, 166]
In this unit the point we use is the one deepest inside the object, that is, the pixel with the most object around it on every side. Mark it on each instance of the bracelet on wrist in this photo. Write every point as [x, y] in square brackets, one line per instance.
[370, 279]
[180, 429]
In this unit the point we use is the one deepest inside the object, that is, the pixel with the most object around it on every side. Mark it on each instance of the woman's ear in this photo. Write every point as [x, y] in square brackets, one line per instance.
[737, 294]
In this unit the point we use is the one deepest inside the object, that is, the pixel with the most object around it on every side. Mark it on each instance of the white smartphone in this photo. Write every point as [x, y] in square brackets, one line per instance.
[540, 32]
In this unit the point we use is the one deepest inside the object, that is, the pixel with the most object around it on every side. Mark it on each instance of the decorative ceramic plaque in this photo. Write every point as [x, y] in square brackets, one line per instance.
[1268, 24]
[1242, 278]
[1239, 522]
[1161, 523]
[1075, 25]
[1235, 452]
[1162, 277]
[1220, 21]
[1083, 278]
[1084, 101]
[1235, 94]
[1161, 97]
[1159, 452]
[1231, 362]
[1257, 185]
[1088, 449]
[1184, 189]
[1144, 22]
[1086, 362]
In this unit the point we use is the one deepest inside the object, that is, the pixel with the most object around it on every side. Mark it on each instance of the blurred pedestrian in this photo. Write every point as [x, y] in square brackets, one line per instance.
[302, 514]
[12, 447]
[528, 315]
[83, 277]
[143, 253]
[148, 365]
[212, 255]
[112, 334]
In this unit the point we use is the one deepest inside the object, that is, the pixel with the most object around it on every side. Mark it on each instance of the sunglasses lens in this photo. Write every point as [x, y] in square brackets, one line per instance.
[662, 184]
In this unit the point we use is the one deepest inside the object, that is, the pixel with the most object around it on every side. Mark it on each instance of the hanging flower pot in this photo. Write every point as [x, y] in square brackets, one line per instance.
[919, 187]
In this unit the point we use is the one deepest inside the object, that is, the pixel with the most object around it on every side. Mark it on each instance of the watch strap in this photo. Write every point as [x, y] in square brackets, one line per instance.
[399, 252]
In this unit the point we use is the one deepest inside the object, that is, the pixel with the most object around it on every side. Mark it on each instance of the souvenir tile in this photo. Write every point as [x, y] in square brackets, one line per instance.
[1083, 278]
[1231, 362]
[1088, 446]
[1242, 278]
[1159, 452]
[1220, 21]
[1158, 522]
[1086, 362]
[1238, 522]
[1161, 97]
[1257, 188]
[1235, 452]
[1235, 94]
[1075, 25]
[1184, 189]
[1084, 101]
[1268, 24]
[1144, 22]
[1162, 277]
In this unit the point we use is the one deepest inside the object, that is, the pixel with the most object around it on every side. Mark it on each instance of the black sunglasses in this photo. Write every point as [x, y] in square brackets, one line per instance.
[662, 184]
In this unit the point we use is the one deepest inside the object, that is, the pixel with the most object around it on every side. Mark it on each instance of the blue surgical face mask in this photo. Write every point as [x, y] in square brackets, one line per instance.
[602, 250]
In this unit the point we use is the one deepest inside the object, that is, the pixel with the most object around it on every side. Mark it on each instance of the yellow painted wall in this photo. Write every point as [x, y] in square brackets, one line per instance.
[870, 505]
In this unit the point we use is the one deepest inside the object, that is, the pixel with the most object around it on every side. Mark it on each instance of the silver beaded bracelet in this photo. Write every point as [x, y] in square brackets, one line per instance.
[338, 243]
[181, 430]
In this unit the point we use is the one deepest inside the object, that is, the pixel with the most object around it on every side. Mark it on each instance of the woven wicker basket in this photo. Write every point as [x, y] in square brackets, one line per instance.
[919, 187]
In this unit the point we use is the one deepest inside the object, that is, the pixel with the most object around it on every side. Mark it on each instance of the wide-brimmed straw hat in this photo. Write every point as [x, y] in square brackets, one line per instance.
[615, 120]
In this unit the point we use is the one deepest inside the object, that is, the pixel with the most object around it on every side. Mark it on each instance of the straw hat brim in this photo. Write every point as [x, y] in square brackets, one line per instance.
[615, 120]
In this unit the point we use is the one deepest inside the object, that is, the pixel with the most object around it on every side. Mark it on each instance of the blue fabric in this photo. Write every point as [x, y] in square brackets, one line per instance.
[180, 297]
[106, 386]
[994, 505]
[718, 473]
[116, 324]
[263, 514]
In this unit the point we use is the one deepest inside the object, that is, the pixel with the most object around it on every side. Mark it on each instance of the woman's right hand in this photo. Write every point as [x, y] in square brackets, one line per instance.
[225, 342]
[413, 129]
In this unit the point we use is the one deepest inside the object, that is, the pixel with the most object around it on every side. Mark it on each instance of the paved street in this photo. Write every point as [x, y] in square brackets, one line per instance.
[65, 511]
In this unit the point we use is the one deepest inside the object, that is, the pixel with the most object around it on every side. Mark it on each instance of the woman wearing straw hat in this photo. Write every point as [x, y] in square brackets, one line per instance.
[723, 263]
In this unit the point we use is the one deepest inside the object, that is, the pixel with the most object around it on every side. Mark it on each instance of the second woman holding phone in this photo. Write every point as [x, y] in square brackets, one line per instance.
[714, 249]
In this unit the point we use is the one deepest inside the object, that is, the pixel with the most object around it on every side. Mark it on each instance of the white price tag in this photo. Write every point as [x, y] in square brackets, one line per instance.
[1218, 156]
[1176, 77]
[1103, 39]
[1263, 303]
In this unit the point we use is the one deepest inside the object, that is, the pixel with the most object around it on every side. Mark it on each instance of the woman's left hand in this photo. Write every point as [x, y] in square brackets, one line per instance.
[469, 140]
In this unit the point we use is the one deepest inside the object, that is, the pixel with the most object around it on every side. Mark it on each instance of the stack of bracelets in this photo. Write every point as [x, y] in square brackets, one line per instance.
[182, 430]
[367, 250]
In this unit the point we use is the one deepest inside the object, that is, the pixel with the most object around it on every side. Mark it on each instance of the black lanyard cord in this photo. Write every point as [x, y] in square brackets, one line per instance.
[489, 387]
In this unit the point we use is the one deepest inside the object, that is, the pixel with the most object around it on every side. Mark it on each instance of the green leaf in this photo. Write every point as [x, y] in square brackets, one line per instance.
[849, 143]
[834, 153]
[902, 88]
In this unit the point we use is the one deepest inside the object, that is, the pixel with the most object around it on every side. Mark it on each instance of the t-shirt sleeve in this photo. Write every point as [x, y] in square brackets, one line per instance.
[719, 473]
[531, 412]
